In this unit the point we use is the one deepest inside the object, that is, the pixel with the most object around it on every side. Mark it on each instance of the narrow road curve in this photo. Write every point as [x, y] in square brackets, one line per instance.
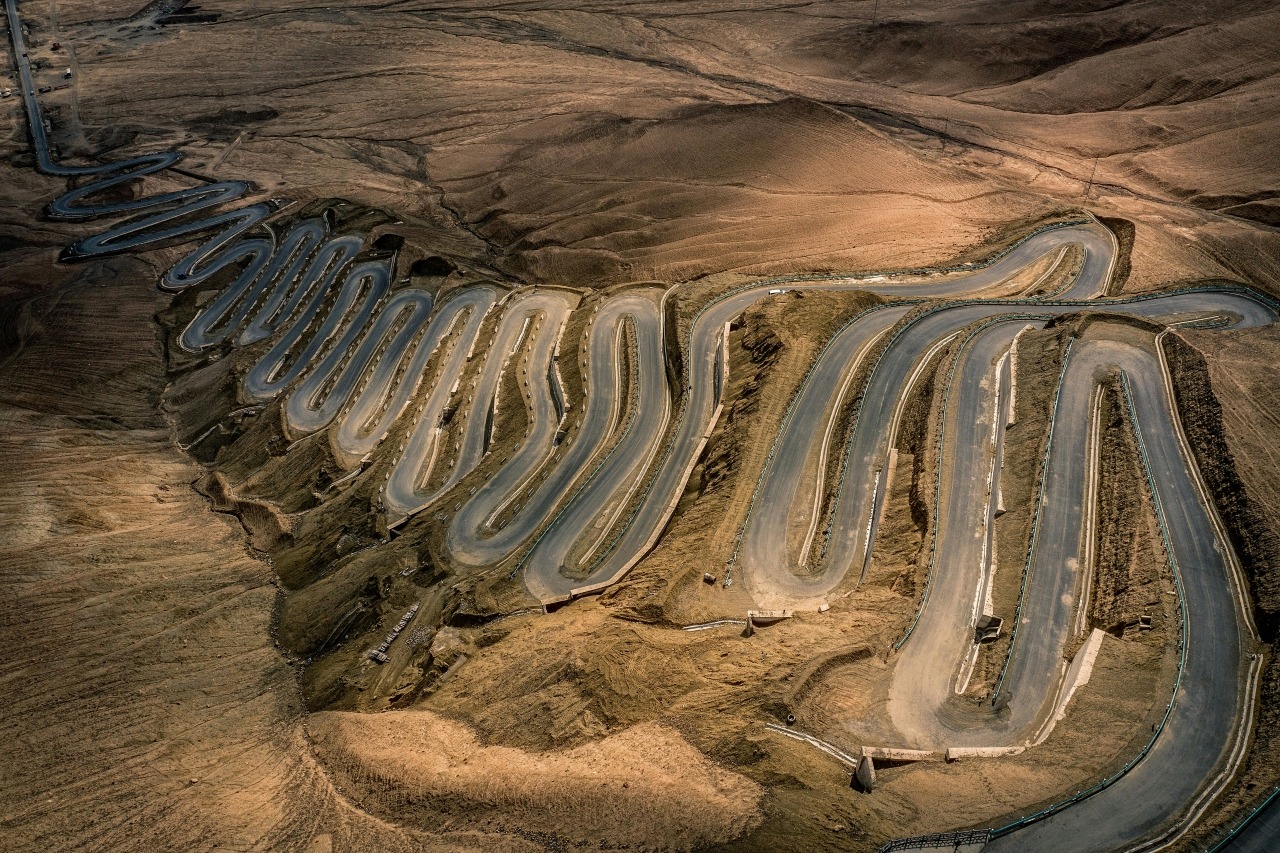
[853, 525]
[1201, 727]
[460, 319]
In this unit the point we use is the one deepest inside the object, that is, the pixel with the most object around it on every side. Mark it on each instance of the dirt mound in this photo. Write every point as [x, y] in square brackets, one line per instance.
[645, 787]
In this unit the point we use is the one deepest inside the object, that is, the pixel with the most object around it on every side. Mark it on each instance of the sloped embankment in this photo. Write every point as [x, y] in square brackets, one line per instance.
[1211, 430]
[1252, 533]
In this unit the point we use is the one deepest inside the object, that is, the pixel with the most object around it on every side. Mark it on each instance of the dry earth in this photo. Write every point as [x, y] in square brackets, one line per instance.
[147, 705]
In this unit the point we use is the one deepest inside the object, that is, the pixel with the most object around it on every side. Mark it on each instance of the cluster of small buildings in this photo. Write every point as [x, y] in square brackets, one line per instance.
[379, 655]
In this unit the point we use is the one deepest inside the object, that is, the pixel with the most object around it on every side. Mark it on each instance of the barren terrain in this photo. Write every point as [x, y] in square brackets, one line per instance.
[696, 247]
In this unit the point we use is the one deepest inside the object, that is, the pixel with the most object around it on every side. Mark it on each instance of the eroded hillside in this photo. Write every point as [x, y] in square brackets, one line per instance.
[650, 160]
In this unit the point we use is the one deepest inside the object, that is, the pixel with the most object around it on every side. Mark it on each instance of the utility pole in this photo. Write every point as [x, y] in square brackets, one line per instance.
[1092, 173]
[875, 11]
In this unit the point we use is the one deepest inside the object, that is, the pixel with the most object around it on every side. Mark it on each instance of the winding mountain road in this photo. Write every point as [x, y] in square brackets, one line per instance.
[1201, 730]
[590, 487]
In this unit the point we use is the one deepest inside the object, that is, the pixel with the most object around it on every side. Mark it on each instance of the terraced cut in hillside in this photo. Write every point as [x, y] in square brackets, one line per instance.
[952, 509]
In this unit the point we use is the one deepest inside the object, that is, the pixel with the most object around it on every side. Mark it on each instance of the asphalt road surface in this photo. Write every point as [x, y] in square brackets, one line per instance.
[1202, 727]
[407, 489]
[593, 483]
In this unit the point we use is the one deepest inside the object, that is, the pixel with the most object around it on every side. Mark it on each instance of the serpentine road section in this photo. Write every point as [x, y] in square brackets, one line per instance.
[1201, 733]
[589, 488]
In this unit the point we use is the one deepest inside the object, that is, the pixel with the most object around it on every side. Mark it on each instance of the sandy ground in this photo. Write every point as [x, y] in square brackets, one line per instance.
[642, 787]
[633, 142]
[584, 146]
[148, 705]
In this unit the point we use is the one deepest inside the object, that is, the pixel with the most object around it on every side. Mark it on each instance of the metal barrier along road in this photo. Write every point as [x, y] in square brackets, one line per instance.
[954, 840]
[1240, 830]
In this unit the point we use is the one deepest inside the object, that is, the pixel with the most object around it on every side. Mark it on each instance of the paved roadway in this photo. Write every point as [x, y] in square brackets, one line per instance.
[794, 479]
[695, 421]
[541, 318]
[341, 351]
[941, 643]
[306, 343]
[924, 675]
[1201, 730]
[563, 556]
[386, 343]
[133, 234]
[407, 488]
[875, 422]
[474, 536]
[271, 287]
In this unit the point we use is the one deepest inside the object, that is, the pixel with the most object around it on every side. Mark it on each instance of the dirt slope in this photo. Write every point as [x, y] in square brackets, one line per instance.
[586, 144]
